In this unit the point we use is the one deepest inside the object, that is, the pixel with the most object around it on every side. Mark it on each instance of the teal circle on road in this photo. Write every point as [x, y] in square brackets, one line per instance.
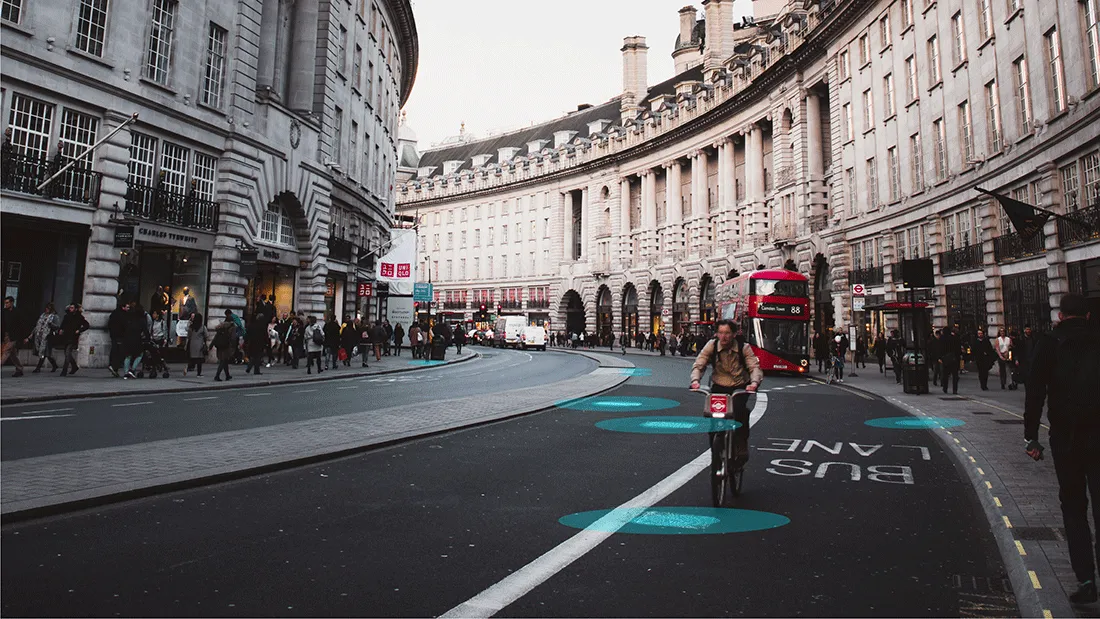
[675, 520]
[425, 362]
[667, 425]
[915, 423]
[609, 404]
[636, 372]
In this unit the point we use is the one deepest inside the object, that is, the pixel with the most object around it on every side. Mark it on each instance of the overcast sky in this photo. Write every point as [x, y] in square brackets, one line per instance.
[505, 65]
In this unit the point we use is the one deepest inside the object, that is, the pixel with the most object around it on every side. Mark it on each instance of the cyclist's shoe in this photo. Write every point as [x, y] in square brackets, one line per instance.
[1085, 593]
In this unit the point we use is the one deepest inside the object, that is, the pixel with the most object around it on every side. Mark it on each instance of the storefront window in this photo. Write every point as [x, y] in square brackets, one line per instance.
[274, 279]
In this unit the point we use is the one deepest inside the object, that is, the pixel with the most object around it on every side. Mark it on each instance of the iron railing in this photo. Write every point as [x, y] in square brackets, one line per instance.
[171, 207]
[960, 259]
[1012, 247]
[1085, 228]
[340, 249]
[23, 173]
[871, 276]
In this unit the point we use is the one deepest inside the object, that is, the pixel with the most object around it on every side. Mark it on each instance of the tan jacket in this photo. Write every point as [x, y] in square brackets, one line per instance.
[728, 371]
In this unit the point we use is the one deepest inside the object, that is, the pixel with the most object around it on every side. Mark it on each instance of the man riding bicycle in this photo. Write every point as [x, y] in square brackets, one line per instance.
[735, 367]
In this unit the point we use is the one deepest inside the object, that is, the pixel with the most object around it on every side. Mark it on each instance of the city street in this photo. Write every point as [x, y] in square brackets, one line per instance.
[845, 519]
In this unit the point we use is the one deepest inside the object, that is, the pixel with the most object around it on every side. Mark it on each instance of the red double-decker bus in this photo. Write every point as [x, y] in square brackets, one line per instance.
[772, 308]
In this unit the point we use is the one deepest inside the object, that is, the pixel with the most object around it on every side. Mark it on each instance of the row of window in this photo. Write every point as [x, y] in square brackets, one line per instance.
[505, 236]
[34, 130]
[486, 296]
[177, 165]
[495, 267]
[371, 166]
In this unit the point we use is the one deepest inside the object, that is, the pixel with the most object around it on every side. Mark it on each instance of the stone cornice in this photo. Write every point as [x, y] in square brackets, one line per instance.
[402, 13]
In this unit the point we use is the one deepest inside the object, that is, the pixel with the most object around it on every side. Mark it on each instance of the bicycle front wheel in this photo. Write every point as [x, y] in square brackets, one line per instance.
[721, 474]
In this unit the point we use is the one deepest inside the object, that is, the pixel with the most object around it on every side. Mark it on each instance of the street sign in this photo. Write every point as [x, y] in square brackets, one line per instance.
[858, 304]
[422, 292]
[366, 289]
[665, 313]
[124, 237]
[858, 290]
[248, 263]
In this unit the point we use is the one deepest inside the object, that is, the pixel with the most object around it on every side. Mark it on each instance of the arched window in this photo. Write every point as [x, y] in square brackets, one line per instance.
[276, 226]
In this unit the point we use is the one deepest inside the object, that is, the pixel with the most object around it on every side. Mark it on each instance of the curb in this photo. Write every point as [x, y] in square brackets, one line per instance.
[218, 387]
[1029, 600]
[79, 503]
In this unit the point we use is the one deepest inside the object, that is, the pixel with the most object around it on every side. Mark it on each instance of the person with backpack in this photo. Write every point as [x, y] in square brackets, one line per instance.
[315, 344]
[1065, 373]
[734, 366]
[225, 341]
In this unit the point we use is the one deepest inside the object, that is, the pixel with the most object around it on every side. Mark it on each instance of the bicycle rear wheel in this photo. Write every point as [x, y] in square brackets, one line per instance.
[721, 473]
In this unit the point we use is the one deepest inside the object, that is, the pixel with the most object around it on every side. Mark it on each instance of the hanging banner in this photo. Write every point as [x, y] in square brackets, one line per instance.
[396, 266]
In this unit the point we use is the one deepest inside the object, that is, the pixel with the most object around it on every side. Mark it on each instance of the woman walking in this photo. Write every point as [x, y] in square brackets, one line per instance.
[44, 330]
[414, 340]
[196, 344]
[349, 339]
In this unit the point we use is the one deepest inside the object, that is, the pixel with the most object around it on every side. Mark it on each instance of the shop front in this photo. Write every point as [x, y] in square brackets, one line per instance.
[42, 261]
[680, 317]
[276, 277]
[1026, 301]
[605, 324]
[339, 298]
[966, 308]
[1084, 279]
[630, 311]
[656, 305]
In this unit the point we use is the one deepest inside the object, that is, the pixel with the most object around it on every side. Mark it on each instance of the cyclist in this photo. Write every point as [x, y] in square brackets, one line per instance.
[734, 367]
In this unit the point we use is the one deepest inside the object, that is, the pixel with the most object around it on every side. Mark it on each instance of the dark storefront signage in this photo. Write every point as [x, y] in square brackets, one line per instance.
[124, 237]
[248, 263]
[164, 235]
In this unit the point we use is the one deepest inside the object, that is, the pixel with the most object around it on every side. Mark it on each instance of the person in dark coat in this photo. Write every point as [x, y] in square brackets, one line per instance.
[133, 340]
[12, 334]
[821, 351]
[879, 349]
[952, 350]
[459, 339]
[116, 329]
[389, 337]
[349, 338]
[255, 343]
[985, 357]
[225, 341]
[934, 351]
[895, 349]
[295, 339]
[398, 337]
[1024, 350]
[861, 352]
[72, 325]
[377, 338]
[332, 342]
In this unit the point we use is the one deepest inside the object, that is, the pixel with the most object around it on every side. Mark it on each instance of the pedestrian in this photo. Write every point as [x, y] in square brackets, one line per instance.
[933, 352]
[861, 352]
[332, 342]
[256, 341]
[196, 344]
[239, 333]
[398, 338]
[226, 342]
[1065, 372]
[116, 330]
[295, 340]
[895, 349]
[314, 336]
[72, 325]
[1003, 346]
[133, 341]
[377, 338]
[622, 343]
[821, 351]
[349, 339]
[414, 340]
[364, 346]
[45, 330]
[984, 357]
[1023, 354]
[838, 352]
[389, 336]
[11, 337]
[950, 358]
[879, 350]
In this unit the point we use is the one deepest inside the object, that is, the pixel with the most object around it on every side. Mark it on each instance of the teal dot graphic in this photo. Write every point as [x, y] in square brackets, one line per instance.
[426, 362]
[675, 520]
[667, 425]
[609, 404]
[636, 372]
[914, 423]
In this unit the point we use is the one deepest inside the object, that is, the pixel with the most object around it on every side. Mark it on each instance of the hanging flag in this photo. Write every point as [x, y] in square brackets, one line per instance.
[1026, 219]
[397, 266]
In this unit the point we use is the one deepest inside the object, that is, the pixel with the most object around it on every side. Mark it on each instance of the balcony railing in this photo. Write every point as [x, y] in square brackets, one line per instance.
[1011, 247]
[23, 173]
[871, 276]
[454, 305]
[170, 207]
[515, 305]
[538, 304]
[1088, 228]
[961, 259]
[340, 249]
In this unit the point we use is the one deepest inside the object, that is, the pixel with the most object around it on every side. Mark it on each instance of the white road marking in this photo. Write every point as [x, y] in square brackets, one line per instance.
[209, 397]
[48, 410]
[256, 395]
[306, 391]
[130, 404]
[32, 417]
[352, 387]
[517, 584]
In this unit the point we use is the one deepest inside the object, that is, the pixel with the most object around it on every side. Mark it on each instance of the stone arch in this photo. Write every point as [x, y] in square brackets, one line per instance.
[681, 312]
[656, 305]
[630, 310]
[605, 319]
[572, 308]
[706, 299]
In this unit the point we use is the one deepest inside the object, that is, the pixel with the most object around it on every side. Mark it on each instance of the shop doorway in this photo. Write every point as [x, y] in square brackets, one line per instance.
[680, 316]
[273, 281]
[604, 318]
[656, 305]
[42, 262]
[706, 300]
[630, 311]
[573, 308]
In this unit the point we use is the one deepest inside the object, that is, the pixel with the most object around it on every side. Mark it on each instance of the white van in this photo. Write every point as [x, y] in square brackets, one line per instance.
[508, 331]
[533, 337]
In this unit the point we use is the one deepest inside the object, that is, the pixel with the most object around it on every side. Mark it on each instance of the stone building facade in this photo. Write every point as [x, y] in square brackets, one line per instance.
[266, 131]
[837, 138]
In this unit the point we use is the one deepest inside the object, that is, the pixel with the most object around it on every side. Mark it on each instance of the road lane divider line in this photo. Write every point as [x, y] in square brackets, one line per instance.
[520, 582]
[32, 417]
[352, 387]
[1047, 614]
[209, 397]
[256, 395]
[997, 502]
[980, 471]
[1020, 548]
[1008, 523]
[1034, 579]
[48, 410]
[130, 404]
[306, 391]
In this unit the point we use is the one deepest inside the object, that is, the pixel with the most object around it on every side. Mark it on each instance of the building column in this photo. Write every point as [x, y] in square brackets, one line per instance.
[585, 250]
[269, 34]
[698, 199]
[727, 200]
[567, 221]
[754, 184]
[303, 57]
[649, 212]
[817, 197]
[624, 221]
[674, 216]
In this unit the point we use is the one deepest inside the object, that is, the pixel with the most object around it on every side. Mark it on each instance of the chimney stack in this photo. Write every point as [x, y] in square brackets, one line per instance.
[635, 82]
[719, 38]
[687, 25]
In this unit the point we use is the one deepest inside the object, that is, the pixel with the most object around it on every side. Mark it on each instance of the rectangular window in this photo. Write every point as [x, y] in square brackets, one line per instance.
[173, 167]
[906, 14]
[884, 31]
[504, 234]
[357, 67]
[77, 134]
[966, 132]
[1090, 17]
[204, 176]
[435, 242]
[985, 20]
[901, 245]
[492, 235]
[504, 266]
[477, 212]
[846, 121]
[1056, 78]
[1070, 188]
[935, 76]
[215, 67]
[864, 50]
[844, 65]
[353, 151]
[369, 81]
[857, 257]
[11, 10]
[451, 216]
[958, 40]
[477, 268]
[462, 215]
[868, 111]
[477, 237]
[342, 51]
[337, 134]
[872, 183]
[462, 239]
[850, 190]
[450, 240]
[1090, 165]
[143, 157]
[895, 173]
[910, 79]
[939, 148]
[158, 61]
[888, 95]
[949, 232]
[916, 158]
[462, 274]
[1014, 5]
[91, 26]
[993, 116]
[31, 123]
[1023, 94]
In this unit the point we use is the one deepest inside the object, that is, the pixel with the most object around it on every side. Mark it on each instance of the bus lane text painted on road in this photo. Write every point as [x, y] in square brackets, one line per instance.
[855, 470]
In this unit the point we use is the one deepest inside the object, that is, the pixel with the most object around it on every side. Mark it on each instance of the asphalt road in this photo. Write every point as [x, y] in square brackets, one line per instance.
[420, 528]
[74, 425]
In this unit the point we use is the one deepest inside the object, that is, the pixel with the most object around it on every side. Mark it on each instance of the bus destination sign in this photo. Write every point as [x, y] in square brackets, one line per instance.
[779, 309]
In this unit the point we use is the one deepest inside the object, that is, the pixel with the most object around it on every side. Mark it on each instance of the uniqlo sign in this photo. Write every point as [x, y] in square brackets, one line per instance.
[718, 404]
[386, 270]
[365, 289]
[403, 270]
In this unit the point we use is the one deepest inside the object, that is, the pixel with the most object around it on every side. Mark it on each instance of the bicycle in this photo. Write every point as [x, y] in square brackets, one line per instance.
[833, 370]
[727, 472]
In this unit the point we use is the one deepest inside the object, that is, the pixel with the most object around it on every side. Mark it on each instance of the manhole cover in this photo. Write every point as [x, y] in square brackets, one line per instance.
[953, 399]
[1009, 422]
[980, 413]
[1040, 534]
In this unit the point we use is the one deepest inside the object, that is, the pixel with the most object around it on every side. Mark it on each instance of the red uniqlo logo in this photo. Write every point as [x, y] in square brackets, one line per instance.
[403, 270]
[717, 403]
[387, 269]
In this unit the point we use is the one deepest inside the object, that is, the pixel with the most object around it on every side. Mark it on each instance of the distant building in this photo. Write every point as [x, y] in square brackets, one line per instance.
[841, 136]
[267, 130]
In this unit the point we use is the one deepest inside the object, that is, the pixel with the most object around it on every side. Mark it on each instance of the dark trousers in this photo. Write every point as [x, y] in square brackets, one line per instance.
[820, 365]
[1077, 464]
[48, 356]
[397, 348]
[69, 364]
[116, 356]
[1004, 368]
[194, 363]
[937, 373]
[459, 347]
[223, 366]
[983, 375]
[313, 356]
[740, 435]
[898, 367]
[951, 370]
[882, 365]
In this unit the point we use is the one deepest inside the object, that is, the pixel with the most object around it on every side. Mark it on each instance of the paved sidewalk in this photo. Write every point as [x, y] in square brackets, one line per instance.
[98, 382]
[1019, 494]
[50, 484]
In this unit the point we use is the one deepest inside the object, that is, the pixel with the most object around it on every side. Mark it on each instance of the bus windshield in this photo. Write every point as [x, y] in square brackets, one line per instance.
[779, 287]
[781, 336]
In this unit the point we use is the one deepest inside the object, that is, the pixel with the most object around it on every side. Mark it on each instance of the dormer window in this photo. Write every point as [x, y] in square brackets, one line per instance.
[450, 167]
[425, 172]
[561, 138]
[481, 160]
[506, 154]
[534, 146]
[596, 126]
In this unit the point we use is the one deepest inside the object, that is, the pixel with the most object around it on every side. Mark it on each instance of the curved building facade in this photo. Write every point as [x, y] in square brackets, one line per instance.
[262, 161]
[835, 138]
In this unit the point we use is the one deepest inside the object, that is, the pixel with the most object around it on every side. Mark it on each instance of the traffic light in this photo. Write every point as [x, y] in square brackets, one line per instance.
[416, 306]
[482, 308]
